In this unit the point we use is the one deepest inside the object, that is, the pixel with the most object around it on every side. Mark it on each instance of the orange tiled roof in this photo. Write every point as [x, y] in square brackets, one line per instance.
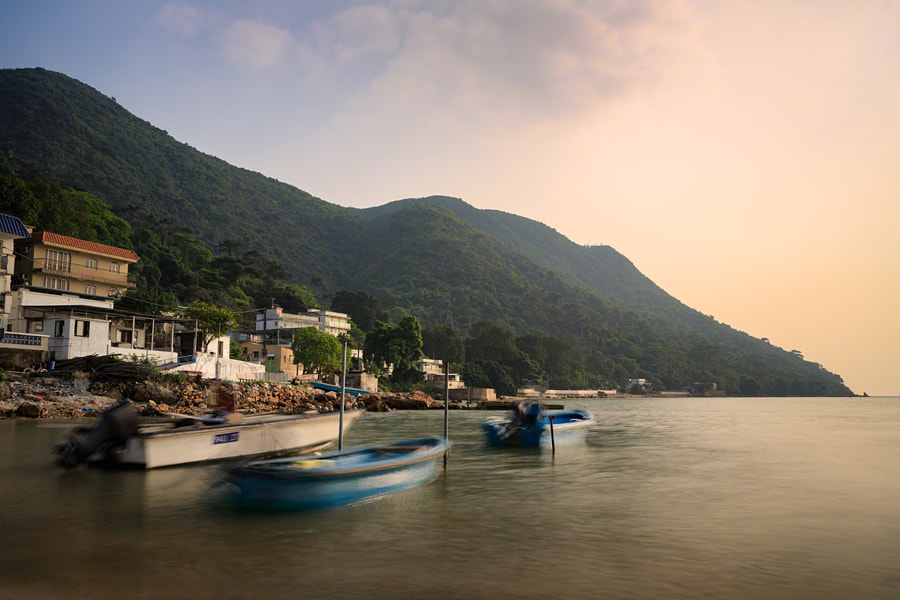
[63, 240]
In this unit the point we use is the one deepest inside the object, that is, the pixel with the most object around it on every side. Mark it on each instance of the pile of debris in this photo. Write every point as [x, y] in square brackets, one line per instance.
[103, 368]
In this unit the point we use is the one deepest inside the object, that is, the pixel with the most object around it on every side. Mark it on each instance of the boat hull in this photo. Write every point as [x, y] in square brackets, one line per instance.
[254, 437]
[569, 427]
[334, 478]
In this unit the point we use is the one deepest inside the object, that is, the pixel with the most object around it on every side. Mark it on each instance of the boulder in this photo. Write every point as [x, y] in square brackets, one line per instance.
[30, 410]
[378, 405]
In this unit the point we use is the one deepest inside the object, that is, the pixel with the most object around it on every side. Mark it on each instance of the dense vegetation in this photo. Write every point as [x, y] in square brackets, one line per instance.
[506, 299]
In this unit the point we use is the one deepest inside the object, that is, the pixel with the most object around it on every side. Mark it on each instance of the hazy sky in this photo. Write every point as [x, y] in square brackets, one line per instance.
[744, 155]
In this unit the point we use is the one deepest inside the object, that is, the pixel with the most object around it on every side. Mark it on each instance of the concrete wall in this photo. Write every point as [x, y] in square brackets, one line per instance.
[227, 369]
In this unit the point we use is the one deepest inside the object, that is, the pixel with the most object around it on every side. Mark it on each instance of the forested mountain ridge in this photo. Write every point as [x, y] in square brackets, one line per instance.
[438, 259]
[77, 136]
[600, 269]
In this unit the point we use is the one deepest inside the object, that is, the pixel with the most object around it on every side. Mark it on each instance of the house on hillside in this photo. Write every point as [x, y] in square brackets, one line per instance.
[18, 350]
[64, 288]
[277, 358]
[11, 229]
[433, 374]
[49, 261]
[275, 319]
[64, 291]
[269, 344]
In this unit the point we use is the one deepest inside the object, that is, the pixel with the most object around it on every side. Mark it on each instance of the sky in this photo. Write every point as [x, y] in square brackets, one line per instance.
[745, 156]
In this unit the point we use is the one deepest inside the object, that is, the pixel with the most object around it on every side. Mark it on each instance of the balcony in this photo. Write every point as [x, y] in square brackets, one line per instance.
[82, 273]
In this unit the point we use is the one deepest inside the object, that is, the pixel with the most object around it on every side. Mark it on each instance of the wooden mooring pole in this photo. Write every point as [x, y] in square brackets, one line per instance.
[552, 436]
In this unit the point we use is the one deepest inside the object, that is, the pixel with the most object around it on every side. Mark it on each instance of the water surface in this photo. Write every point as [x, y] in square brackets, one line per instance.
[668, 498]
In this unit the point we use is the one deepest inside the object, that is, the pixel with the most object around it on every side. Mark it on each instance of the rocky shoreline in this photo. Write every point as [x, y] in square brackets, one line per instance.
[50, 397]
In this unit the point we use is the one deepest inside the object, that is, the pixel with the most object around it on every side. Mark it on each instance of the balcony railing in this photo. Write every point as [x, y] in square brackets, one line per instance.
[82, 273]
[29, 341]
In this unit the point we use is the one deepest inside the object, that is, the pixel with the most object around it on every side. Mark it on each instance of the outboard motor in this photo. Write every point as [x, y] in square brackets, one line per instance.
[114, 428]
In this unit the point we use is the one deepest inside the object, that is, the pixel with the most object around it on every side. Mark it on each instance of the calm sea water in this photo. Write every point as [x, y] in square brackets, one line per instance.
[688, 498]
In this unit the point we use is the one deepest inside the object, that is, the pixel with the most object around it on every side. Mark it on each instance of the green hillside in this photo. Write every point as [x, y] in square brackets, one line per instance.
[438, 259]
[77, 136]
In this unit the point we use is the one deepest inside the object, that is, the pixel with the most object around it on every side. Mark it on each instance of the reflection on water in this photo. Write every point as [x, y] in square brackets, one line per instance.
[699, 498]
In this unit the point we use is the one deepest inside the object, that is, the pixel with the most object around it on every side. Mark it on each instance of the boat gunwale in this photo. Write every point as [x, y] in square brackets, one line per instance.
[439, 446]
[153, 430]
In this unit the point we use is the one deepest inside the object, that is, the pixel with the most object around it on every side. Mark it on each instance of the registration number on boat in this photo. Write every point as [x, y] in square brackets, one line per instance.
[225, 438]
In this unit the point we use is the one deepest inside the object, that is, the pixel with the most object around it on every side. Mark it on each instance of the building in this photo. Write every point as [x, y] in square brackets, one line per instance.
[276, 358]
[58, 262]
[11, 229]
[433, 372]
[65, 288]
[272, 319]
[17, 350]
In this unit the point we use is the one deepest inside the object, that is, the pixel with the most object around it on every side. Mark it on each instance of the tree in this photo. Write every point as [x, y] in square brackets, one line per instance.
[488, 341]
[409, 341]
[363, 308]
[211, 320]
[317, 351]
[500, 378]
[443, 343]
[398, 346]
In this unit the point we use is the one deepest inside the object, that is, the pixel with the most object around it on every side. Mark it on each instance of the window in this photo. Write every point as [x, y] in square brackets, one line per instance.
[56, 283]
[113, 267]
[92, 264]
[82, 328]
[125, 336]
[90, 289]
[59, 328]
[59, 261]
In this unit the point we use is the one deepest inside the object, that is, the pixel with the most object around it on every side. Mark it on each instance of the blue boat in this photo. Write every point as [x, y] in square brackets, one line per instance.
[337, 389]
[531, 426]
[334, 478]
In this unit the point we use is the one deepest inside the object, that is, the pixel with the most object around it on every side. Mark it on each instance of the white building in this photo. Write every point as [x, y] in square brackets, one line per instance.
[11, 229]
[275, 318]
[433, 371]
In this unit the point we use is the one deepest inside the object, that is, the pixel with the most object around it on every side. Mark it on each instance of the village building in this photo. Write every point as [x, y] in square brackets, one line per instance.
[275, 319]
[20, 350]
[433, 374]
[57, 262]
[11, 229]
[63, 294]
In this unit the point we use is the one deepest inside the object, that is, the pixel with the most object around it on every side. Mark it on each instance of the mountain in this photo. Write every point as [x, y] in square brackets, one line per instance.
[437, 258]
[77, 136]
[599, 269]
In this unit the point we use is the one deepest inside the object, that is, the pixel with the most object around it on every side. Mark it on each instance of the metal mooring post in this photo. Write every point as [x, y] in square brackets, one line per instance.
[446, 406]
[343, 387]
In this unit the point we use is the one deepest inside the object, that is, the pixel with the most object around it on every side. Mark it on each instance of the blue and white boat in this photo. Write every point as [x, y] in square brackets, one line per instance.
[334, 478]
[531, 426]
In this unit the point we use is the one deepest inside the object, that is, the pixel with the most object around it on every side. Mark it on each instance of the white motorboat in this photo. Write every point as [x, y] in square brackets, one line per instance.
[120, 439]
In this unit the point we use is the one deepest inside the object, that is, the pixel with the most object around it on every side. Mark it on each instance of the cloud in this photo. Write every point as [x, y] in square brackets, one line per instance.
[478, 61]
[489, 59]
[256, 45]
[181, 19]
